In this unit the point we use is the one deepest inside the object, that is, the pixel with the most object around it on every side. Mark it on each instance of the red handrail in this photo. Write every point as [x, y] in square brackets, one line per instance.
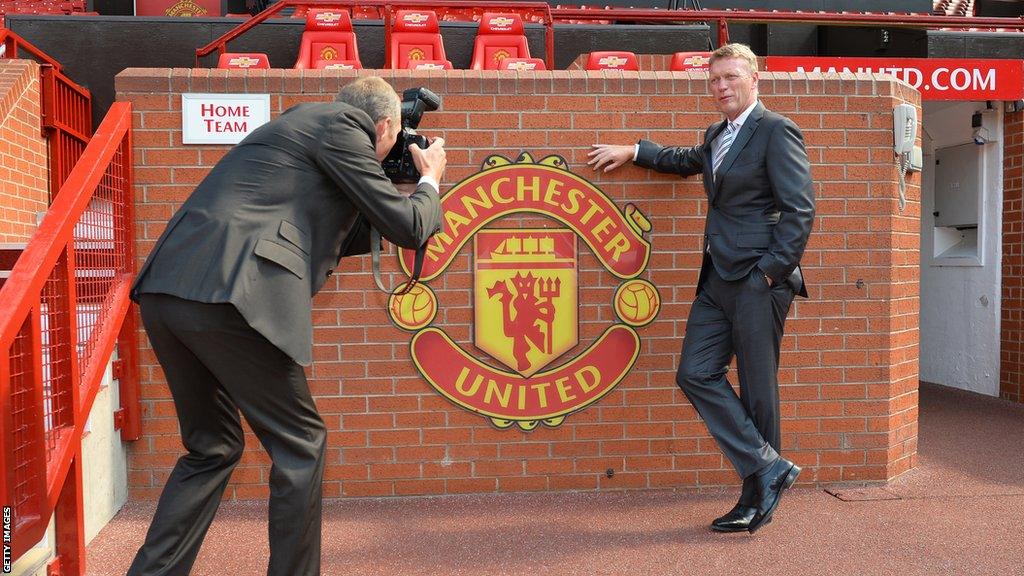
[13, 42]
[545, 10]
[66, 110]
[723, 17]
[64, 305]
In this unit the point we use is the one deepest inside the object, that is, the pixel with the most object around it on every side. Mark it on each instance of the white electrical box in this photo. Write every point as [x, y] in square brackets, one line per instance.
[916, 160]
[958, 182]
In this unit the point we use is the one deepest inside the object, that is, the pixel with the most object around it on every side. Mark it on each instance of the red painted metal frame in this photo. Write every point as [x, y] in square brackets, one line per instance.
[64, 306]
[724, 17]
[220, 44]
[66, 110]
[13, 42]
[67, 122]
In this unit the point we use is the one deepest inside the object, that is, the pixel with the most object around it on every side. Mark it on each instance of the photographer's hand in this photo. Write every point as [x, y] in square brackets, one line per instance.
[432, 161]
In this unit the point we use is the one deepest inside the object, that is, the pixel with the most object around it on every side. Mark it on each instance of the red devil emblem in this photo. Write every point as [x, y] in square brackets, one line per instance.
[527, 316]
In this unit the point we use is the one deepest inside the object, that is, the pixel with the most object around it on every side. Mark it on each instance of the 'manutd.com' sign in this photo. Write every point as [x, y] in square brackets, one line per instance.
[222, 118]
[935, 78]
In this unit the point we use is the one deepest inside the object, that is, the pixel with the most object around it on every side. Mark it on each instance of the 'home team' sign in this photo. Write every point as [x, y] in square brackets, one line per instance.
[222, 118]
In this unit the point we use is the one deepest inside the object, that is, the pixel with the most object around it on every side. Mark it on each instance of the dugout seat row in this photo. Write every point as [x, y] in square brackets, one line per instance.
[604, 60]
[415, 43]
[620, 60]
[443, 13]
[47, 7]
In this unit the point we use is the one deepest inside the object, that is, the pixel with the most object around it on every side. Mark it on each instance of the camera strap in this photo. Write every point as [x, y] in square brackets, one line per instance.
[417, 266]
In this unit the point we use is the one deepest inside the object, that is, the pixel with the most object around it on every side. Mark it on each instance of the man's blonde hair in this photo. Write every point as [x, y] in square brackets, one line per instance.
[735, 50]
[374, 96]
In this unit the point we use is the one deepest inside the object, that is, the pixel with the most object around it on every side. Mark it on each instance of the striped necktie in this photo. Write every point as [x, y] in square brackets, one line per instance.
[723, 147]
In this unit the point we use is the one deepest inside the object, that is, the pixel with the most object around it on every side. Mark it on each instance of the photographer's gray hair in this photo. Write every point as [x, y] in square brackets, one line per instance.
[374, 96]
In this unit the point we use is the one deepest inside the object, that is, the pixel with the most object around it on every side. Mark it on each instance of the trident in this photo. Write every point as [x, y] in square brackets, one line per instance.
[550, 289]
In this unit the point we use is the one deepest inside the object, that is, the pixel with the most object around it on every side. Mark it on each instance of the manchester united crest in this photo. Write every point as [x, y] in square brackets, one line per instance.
[524, 304]
[500, 54]
[186, 8]
[329, 53]
[526, 294]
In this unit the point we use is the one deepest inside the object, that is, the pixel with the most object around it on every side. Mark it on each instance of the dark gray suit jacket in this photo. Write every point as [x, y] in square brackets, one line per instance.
[265, 229]
[761, 206]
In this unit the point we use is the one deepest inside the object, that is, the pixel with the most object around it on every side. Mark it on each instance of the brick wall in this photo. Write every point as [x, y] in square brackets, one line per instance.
[1011, 359]
[849, 364]
[23, 165]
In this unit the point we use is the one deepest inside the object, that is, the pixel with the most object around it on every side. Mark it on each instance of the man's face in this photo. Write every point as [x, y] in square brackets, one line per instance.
[387, 135]
[733, 85]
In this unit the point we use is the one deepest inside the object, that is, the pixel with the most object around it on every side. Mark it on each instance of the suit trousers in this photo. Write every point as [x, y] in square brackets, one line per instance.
[744, 318]
[217, 366]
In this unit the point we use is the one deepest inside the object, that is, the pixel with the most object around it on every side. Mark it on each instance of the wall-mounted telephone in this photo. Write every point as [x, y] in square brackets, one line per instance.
[904, 128]
[904, 133]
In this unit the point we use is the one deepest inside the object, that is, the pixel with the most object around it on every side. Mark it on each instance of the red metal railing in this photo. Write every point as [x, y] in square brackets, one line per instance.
[541, 10]
[724, 17]
[548, 16]
[66, 108]
[64, 306]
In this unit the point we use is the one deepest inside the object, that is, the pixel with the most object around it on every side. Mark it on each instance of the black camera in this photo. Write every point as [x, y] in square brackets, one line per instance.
[398, 166]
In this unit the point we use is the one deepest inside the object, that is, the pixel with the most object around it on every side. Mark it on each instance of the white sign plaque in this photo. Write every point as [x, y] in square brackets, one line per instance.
[222, 118]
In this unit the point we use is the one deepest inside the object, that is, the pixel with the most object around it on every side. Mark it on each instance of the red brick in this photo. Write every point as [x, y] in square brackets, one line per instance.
[368, 489]
[418, 487]
[522, 484]
[394, 471]
[471, 485]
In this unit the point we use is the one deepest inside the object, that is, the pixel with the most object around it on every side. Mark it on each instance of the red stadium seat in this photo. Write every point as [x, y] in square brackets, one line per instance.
[366, 13]
[338, 65]
[243, 60]
[522, 64]
[415, 36]
[500, 36]
[689, 61]
[328, 36]
[612, 60]
[430, 65]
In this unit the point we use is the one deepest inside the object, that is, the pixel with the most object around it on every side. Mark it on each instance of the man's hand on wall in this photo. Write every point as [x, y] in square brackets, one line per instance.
[609, 156]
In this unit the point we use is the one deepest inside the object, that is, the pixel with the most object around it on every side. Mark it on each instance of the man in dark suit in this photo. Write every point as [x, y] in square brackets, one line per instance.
[761, 207]
[225, 297]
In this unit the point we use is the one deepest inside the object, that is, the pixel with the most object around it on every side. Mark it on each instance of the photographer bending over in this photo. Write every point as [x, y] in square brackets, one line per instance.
[225, 297]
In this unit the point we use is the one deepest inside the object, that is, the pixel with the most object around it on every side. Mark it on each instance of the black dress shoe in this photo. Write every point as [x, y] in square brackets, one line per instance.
[736, 520]
[770, 485]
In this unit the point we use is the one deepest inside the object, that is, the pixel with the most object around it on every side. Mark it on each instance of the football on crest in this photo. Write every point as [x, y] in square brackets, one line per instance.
[414, 309]
[637, 302]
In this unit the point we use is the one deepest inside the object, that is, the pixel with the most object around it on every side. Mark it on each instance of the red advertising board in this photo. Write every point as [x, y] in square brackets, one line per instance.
[181, 8]
[935, 78]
